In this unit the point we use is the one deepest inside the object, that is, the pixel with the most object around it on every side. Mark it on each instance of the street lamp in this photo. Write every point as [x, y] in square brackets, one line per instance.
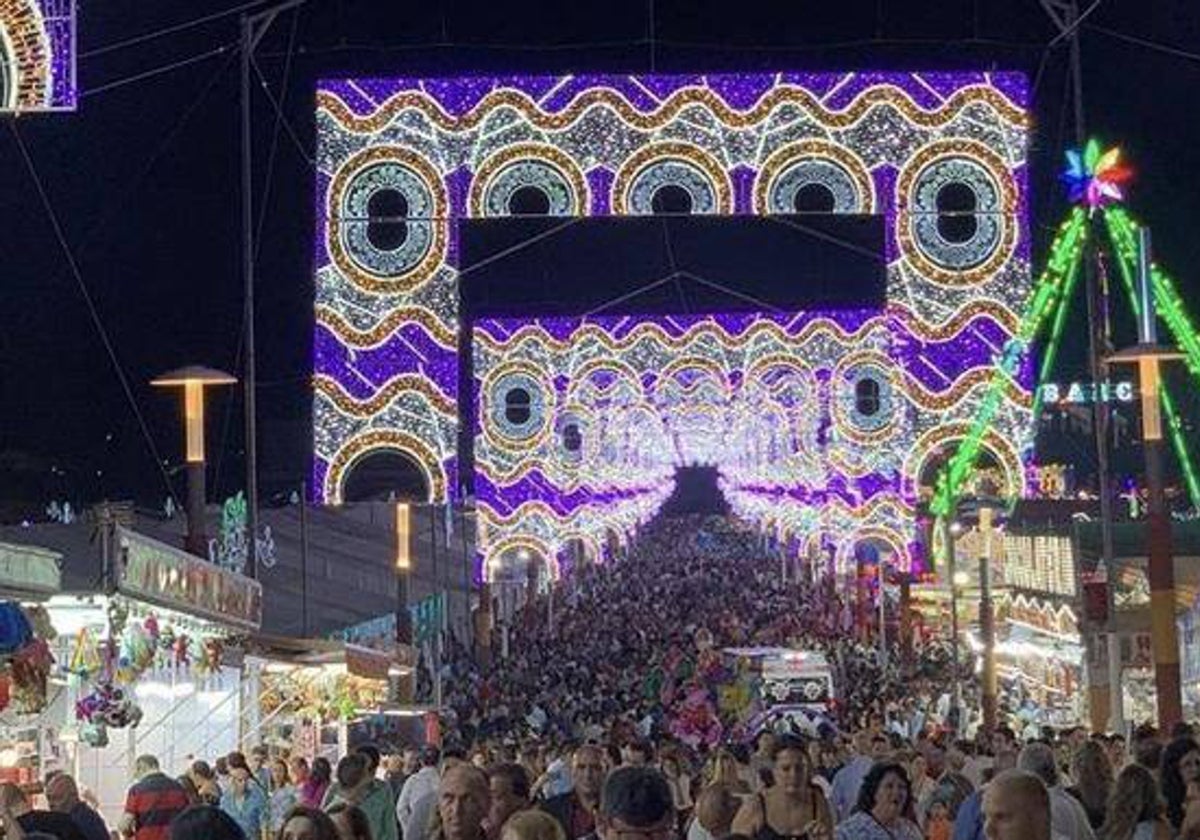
[958, 580]
[1148, 355]
[193, 380]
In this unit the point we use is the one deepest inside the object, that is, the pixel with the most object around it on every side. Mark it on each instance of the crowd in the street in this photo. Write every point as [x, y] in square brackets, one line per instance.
[575, 735]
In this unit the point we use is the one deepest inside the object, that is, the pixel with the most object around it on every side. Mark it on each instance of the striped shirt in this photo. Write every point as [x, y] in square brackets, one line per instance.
[153, 802]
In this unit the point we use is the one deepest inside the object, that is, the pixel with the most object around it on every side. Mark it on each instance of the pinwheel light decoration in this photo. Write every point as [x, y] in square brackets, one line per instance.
[1094, 179]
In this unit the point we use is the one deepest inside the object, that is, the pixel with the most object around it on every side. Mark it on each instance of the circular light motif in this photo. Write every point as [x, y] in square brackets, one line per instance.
[358, 216]
[961, 173]
[570, 430]
[529, 179]
[969, 169]
[673, 176]
[513, 182]
[806, 165]
[659, 178]
[864, 399]
[807, 174]
[516, 407]
[412, 185]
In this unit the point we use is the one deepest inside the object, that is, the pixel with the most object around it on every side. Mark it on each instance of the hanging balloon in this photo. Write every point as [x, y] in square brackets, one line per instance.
[15, 630]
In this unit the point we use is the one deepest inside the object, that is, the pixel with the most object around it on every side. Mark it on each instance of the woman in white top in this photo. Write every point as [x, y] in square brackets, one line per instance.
[1135, 810]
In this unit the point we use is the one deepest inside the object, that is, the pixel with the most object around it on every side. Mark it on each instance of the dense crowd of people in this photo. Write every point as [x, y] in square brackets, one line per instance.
[626, 647]
[576, 735]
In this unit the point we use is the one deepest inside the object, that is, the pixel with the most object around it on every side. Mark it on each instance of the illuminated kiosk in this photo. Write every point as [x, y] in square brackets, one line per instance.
[185, 682]
[939, 158]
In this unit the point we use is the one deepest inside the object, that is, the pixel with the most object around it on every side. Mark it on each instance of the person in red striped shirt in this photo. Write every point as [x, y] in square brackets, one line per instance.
[152, 802]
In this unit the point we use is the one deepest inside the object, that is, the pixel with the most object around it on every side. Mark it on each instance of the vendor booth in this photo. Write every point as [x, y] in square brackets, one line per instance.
[304, 695]
[150, 664]
[29, 742]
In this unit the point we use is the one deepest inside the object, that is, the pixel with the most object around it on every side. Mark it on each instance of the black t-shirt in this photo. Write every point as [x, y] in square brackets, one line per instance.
[51, 822]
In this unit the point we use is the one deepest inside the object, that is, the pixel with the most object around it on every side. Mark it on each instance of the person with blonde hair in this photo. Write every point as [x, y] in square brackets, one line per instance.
[1093, 775]
[1135, 810]
[724, 770]
[532, 825]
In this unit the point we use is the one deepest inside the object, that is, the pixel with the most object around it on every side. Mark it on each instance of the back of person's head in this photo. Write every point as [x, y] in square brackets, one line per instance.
[1030, 791]
[351, 771]
[204, 822]
[353, 818]
[1038, 758]
[201, 770]
[430, 756]
[144, 765]
[1182, 729]
[322, 770]
[1148, 752]
[62, 794]
[637, 796]
[716, 806]
[189, 788]
[373, 756]
[1134, 799]
[12, 798]
[516, 776]
[532, 825]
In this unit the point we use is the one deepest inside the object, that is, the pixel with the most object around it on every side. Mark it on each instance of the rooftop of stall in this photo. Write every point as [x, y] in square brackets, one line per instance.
[351, 561]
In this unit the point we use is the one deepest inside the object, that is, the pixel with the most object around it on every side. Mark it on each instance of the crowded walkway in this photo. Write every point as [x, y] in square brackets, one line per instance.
[608, 719]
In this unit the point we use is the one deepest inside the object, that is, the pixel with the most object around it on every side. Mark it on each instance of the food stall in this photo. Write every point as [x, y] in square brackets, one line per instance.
[29, 743]
[151, 663]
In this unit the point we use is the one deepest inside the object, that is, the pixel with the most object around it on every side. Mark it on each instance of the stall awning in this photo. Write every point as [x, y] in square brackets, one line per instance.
[359, 661]
[169, 577]
[28, 570]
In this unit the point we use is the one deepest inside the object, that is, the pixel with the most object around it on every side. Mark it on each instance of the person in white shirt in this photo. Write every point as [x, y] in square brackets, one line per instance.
[1068, 820]
[416, 787]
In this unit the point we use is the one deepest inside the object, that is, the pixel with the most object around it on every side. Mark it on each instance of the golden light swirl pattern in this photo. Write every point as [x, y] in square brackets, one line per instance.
[377, 402]
[886, 95]
[1003, 451]
[351, 336]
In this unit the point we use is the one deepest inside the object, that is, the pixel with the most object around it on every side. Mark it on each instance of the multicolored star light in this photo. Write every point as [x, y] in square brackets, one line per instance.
[1095, 179]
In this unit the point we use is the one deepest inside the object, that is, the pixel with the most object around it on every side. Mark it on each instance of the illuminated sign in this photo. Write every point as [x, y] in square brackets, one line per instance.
[1040, 563]
[1086, 393]
[162, 574]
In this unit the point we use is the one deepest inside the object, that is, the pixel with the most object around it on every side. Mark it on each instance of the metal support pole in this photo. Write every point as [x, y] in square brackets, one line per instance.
[883, 652]
[196, 541]
[987, 630]
[951, 570]
[304, 559]
[250, 374]
[253, 27]
[987, 620]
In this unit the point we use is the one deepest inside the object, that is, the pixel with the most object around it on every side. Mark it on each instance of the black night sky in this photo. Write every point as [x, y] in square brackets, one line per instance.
[144, 182]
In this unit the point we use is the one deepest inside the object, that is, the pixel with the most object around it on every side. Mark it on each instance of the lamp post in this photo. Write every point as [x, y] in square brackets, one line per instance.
[953, 529]
[193, 381]
[1148, 355]
[989, 689]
